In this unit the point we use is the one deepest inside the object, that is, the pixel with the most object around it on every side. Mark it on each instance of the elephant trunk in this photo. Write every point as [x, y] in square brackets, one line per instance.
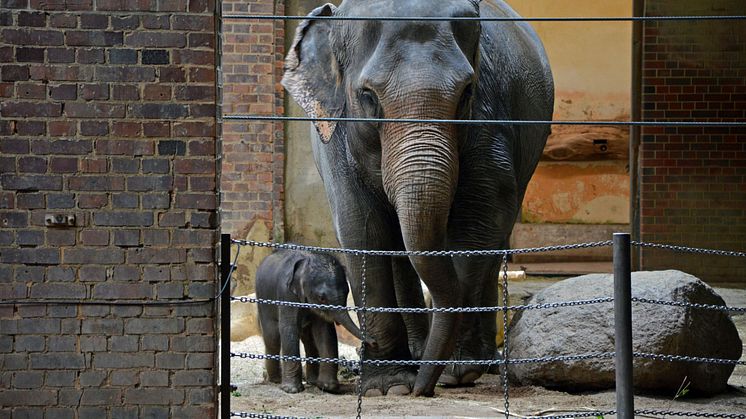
[343, 318]
[420, 170]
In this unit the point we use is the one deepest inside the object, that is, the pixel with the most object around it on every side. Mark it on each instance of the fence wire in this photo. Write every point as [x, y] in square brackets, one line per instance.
[488, 19]
[505, 308]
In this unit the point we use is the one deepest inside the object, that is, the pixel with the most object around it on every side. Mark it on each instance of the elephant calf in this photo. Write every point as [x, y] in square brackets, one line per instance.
[302, 277]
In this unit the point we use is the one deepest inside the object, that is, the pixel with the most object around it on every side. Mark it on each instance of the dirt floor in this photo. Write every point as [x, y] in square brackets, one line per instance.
[485, 399]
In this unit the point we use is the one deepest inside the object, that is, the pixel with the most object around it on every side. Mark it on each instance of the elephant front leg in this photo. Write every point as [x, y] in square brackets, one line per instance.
[325, 337]
[292, 372]
[387, 329]
[409, 294]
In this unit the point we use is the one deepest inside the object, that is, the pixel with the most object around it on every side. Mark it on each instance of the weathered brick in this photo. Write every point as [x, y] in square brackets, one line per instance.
[60, 200]
[60, 378]
[30, 274]
[100, 396]
[31, 109]
[125, 273]
[86, 412]
[154, 379]
[91, 56]
[94, 110]
[38, 326]
[38, 256]
[155, 166]
[32, 165]
[87, 201]
[154, 326]
[28, 55]
[15, 219]
[199, 396]
[125, 200]
[102, 326]
[193, 344]
[125, 92]
[128, 22]
[30, 182]
[159, 256]
[93, 273]
[154, 343]
[156, 21]
[174, 74]
[158, 111]
[61, 237]
[36, 19]
[170, 290]
[63, 165]
[124, 360]
[156, 39]
[196, 201]
[199, 40]
[62, 311]
[12, 291]
[58, 361]
[93, 91]
[34, 397]
[61, 55]
[58, 290]
[60, 273]
[150, 183]
[128, 73]
[123, 219]
[202, 360]
[28, 379]
[60, 20]
[156, 201]
[155, 56]
[94, 38]
[116, 291]
[14, 362]
[61, 343]
[93, 343]
[170, 361]
[94, 128]
[125, 378]
[193, 57]
[94, 21]
[192, 378]
[63, 146]
[33, 37]
[107, 255]
[123, 343]
[96, 183]
[62, 129]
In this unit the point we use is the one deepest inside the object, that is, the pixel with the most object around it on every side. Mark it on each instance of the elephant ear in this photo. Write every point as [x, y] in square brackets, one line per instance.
[291, 281]
[312, 74]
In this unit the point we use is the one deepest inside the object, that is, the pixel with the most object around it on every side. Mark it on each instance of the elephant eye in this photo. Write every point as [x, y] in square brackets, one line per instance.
[369, 103]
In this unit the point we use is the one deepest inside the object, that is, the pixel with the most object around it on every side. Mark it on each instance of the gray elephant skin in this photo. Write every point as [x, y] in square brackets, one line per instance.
[423, 186]
[302, 277]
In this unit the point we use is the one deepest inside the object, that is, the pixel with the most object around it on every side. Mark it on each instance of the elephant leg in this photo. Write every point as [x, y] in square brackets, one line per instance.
[312, 351]
[409, 294]
[271, 336]
[477, 338]
[326, 338]
[387, 329]
[292, 372]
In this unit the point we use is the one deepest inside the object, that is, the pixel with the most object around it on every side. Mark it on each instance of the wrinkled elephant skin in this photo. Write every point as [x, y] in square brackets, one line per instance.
[423, 186]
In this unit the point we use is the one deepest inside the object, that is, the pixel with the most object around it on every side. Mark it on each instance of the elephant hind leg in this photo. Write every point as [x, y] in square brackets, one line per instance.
[312, 351]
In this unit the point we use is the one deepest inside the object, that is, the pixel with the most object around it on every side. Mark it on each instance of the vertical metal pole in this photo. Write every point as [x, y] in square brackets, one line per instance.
[225, 326]
[625, 404]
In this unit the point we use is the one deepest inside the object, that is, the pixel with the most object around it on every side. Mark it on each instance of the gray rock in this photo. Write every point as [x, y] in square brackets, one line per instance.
[657, 329]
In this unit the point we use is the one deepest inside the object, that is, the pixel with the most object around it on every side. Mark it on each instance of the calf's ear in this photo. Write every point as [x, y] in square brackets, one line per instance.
[311, 72]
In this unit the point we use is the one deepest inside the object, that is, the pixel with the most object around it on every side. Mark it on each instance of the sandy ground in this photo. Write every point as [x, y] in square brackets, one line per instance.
[485, 399]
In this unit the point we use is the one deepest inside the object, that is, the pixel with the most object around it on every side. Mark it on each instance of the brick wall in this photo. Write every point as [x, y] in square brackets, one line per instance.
[693, 179]
[253, 152]
[107, 114]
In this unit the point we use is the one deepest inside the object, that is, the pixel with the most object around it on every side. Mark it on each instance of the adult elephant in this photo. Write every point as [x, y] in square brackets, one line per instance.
[423, 185]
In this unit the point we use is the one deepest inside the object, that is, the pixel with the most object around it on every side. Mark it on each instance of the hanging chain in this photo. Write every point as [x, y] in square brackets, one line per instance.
[505, 335]
[363, 332]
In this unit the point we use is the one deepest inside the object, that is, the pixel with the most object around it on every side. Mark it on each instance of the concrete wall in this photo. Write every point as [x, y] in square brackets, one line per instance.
[107, 116]
[692, 179]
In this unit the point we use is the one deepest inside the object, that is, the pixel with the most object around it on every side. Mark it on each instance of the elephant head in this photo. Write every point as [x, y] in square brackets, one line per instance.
[320, 279]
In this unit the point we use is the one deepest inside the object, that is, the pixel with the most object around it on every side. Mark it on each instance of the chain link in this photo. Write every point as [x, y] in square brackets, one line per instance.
[383, 362]
[261, 416]
[690, 305]
[676, 358]
[419, 310]
[364, 332]
[406, 253]
[588, 414]
[685, 249]
[689, 414]
[506, 301]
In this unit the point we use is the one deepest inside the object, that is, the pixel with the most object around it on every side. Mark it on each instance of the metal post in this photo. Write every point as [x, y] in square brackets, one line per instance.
[225, 326]
[625, 404]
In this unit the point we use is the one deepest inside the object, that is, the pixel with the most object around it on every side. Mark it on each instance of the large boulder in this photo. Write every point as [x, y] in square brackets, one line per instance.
[657, 329]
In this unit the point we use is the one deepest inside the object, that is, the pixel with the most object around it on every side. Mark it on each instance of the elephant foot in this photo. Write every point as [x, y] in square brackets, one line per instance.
[461, 375]
[292, 388]
[328, 386]
[392, 380]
